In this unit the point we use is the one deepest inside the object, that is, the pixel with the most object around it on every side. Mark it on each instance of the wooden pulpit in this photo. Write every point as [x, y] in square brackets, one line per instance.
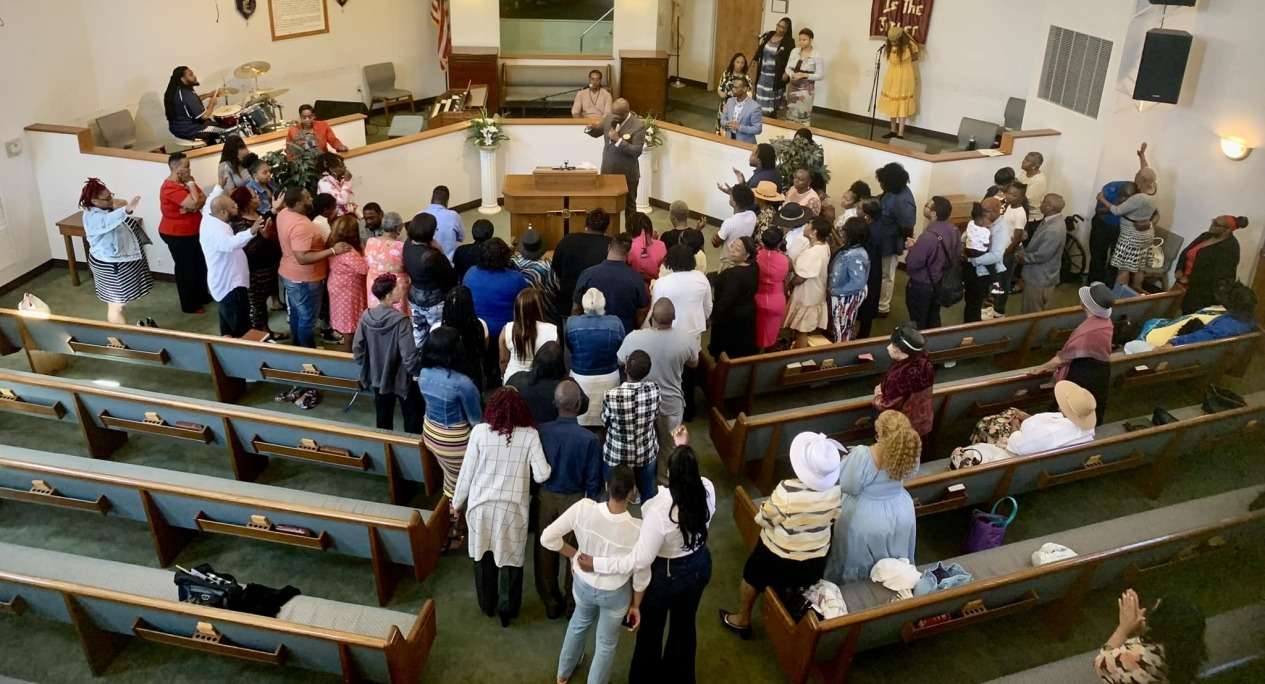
[555, 201]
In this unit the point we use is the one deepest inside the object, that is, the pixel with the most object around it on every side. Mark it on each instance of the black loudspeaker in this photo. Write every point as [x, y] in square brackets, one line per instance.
[1163, 66]
[1183, 3]
[332, 109]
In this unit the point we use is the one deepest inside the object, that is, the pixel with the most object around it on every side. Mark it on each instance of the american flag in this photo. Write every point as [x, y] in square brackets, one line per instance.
[442, 18]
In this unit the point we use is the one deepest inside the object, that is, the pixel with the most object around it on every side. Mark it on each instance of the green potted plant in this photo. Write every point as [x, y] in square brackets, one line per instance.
[294, 167]
[798, 153]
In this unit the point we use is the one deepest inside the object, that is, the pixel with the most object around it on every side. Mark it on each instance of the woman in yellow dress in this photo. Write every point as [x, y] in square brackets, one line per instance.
[898, 101]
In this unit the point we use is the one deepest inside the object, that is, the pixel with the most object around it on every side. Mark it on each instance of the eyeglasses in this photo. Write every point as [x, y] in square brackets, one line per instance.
[109, 198]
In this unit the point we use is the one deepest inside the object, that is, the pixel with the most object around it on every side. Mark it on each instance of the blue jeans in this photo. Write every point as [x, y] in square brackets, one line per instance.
[608, 609]
[643, 475]
[671, 604]
[304, 301]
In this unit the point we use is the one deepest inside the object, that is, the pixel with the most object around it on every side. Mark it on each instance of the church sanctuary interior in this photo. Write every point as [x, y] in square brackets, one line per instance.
[648, 341]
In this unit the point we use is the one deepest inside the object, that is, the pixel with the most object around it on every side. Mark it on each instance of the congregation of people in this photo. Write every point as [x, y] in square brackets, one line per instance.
[554, 387]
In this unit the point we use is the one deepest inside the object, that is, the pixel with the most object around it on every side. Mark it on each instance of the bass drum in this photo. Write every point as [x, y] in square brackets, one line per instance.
[227, 116]
[258, 118]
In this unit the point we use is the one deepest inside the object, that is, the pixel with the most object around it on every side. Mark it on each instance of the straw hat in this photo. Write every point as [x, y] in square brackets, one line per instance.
[1077, 404]
[895, 32]
[767, 191]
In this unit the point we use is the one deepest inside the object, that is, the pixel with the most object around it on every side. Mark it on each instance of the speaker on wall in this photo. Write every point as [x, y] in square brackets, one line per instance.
[1183, 3]
[1163, 66]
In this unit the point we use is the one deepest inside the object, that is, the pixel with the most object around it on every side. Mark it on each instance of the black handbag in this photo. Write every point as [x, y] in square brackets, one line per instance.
[1162, 417]
[950, 290]
[1218, 399]
[205, 587]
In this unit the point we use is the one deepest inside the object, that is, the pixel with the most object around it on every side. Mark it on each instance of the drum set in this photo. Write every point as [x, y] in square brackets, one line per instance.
[259, 111]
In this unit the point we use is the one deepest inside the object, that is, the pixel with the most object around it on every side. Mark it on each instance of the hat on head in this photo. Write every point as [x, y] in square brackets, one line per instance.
[532, 244]
[907, 339]
[1077, 404]
[791, 215]
[767, 191]
[895, 32]
[1098, 299]
[815, 460]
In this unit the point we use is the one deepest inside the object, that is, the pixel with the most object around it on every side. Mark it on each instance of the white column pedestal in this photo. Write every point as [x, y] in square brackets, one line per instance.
[646, 164]
[487, 181]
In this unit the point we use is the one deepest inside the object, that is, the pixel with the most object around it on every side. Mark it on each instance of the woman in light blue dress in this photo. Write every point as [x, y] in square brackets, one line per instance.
[877, 514]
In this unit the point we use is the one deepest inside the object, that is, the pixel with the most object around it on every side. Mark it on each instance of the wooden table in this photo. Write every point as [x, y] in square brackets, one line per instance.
[72, 227]
[556, 212]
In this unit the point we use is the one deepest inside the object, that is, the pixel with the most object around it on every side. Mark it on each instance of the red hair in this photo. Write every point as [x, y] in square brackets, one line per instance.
[506, 410]
[91, 189]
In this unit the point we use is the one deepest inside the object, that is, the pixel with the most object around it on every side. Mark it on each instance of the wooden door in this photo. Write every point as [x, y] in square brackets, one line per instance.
[738, 24]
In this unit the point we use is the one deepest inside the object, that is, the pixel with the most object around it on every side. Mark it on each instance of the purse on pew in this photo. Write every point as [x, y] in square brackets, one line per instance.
[988, 530]
[1218, 399]
[940, 577]
[204, 586]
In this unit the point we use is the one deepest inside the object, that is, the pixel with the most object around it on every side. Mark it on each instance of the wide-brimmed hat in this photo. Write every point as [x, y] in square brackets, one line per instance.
[895, 32]
[792, 215]
[532, 244]
[767, 191]
[1077, 404]
[1097, 299]
[815, 460]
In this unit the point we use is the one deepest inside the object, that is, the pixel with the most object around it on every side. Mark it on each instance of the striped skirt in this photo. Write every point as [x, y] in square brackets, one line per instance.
[119, 283]
[448, 445]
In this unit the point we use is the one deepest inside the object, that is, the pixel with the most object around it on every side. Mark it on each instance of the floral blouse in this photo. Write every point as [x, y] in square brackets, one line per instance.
[1133, 662]
[342, 192]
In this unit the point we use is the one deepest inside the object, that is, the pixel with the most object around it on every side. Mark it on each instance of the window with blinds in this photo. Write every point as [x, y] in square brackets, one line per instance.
[1075, 70]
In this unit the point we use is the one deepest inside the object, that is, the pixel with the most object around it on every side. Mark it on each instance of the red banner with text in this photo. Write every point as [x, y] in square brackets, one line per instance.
[912, 15]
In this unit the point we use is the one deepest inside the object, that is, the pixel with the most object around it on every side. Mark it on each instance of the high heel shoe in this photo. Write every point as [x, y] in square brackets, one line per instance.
[743, 633]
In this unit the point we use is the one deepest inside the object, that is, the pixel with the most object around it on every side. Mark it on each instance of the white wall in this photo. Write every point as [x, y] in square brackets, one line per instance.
[698, 27]
[636, 25]
[1221, 96]
[475, 23]
[980, 52]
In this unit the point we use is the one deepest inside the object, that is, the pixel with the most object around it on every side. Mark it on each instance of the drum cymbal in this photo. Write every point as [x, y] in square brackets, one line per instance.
[274, 94]
[252, 70]
[227, 110]
[223, 92]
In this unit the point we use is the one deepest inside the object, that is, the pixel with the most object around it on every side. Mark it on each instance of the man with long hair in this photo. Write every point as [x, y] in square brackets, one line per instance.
[187, 117]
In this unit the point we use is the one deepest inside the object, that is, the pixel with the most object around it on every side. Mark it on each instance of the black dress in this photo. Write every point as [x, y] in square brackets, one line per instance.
[1215, 265]
[733, 315]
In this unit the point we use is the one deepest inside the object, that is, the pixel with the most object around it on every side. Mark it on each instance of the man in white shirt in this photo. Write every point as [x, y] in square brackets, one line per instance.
[741, 224]
[227, 273]
[1030, 175]
[1072, 425]
[594, 102]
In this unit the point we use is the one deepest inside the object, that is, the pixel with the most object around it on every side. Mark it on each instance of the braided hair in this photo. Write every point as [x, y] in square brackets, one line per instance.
[91, 188]
[507, 410]
[170, 98]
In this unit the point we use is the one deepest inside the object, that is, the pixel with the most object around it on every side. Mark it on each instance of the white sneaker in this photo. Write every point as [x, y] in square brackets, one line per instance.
[987, 313]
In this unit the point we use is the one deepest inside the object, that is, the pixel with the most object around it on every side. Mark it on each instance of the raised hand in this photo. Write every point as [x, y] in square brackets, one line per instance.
[131, 206]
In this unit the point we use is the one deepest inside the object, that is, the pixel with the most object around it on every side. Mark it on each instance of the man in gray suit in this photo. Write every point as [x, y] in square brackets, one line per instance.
[624, 136]
[742, 119]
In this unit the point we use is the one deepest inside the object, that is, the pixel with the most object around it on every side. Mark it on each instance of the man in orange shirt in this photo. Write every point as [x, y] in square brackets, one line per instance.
[303, 265]
[312, 133]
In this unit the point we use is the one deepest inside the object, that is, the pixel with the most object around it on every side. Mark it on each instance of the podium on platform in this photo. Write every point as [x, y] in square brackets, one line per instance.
[555, 201]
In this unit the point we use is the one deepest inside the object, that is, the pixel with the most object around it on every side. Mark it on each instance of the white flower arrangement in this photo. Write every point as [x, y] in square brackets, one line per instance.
[654, 133]
[485, 131]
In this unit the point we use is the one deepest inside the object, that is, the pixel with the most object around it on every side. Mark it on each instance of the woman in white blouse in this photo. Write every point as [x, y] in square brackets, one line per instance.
[528, 332]
[673, 545]
[804, 69]
[504, 451]
[603, 529]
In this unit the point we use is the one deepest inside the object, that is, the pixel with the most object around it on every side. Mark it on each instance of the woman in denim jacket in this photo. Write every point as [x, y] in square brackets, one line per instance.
[116, 257]
[452, 408]
[849, 278]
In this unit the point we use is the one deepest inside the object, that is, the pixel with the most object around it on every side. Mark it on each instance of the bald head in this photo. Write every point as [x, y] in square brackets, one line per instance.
[223, 207]
[567, 397]
[1052, 204]
[663, 313]
[619, 110]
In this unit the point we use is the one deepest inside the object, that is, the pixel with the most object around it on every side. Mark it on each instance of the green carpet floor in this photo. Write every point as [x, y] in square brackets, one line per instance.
[473, 648]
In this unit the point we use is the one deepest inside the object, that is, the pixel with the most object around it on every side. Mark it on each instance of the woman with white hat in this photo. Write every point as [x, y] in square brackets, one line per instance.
[876, 518]
[794, 527]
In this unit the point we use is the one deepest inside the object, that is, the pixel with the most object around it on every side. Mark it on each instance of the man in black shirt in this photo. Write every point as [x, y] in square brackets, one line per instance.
[187, 117]
[466, 257]
[576, 252]
[623, 286]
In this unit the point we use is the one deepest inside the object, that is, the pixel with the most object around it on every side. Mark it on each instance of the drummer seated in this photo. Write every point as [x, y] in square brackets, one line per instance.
[187, 116]
[312, 133]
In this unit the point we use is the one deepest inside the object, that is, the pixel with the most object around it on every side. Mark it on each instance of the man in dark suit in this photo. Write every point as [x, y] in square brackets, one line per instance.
[623, 137]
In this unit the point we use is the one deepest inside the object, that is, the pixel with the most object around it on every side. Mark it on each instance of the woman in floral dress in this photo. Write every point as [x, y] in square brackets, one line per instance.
[385, 254]
[737, 67]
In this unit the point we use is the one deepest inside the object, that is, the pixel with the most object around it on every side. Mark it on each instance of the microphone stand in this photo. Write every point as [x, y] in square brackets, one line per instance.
[878, 62]
[545, 99]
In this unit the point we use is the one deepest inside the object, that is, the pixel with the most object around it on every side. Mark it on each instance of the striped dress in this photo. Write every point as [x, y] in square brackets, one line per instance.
[768, 89]
[116, 282]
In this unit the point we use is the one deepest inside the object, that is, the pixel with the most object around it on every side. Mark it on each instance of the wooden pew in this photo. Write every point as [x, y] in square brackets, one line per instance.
[101, 599]
[1149, 455]
[106, 416]
[178, 505]
[1012, 342]
[758, 442]
[229, 362]
[1133, 547]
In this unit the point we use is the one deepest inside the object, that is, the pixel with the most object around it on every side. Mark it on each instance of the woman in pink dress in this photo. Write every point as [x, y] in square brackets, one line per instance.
[648, 251]
[385, 254]
[770, 298]
[346, 284]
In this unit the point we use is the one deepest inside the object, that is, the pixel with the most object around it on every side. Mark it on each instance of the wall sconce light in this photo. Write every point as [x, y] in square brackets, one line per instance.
[1234, 149]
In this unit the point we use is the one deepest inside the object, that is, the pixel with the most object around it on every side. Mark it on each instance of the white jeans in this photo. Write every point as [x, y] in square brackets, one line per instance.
[889, 280]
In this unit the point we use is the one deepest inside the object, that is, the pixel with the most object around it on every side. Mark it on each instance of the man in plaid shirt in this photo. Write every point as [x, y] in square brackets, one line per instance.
[629, 414]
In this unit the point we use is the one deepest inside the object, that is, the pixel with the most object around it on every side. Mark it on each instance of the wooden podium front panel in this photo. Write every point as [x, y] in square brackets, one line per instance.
[643, 78]
[476, 65]
[527, 205]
